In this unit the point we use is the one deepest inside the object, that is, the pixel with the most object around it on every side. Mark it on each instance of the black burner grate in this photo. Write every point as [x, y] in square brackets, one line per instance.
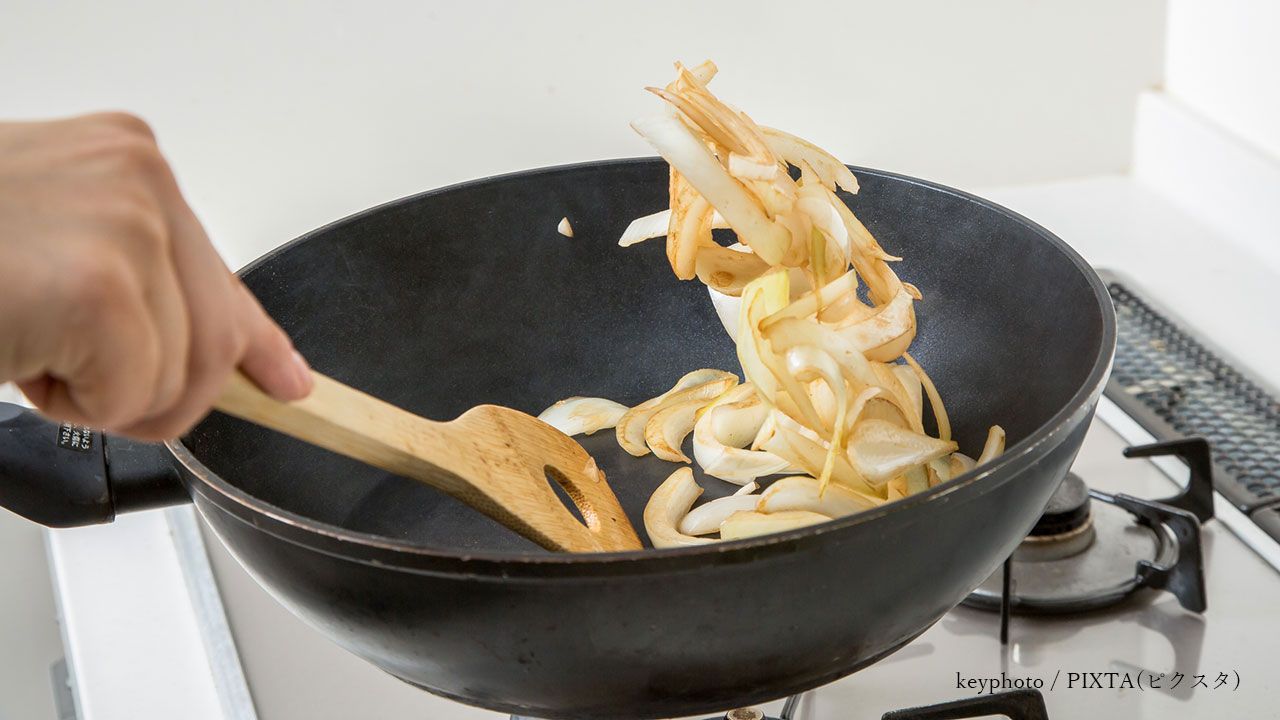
[1175, 385]
[1014, 704]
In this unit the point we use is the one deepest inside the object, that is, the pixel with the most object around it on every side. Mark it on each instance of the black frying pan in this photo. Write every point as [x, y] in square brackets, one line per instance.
[468, 295]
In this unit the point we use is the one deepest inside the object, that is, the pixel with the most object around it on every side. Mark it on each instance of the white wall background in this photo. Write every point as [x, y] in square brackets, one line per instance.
[281, 116]
[1222, 61]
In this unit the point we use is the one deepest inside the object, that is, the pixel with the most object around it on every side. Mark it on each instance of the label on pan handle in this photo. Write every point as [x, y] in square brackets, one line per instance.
[75, 437]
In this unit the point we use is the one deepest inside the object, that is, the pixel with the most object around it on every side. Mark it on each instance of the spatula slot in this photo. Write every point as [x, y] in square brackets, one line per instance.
[572, 498]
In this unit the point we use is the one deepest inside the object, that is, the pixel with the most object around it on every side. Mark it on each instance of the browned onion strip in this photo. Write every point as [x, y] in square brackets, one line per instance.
[935, 400]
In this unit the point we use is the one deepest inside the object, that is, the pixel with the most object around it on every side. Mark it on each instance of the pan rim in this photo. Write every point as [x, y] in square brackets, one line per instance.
[387, 552]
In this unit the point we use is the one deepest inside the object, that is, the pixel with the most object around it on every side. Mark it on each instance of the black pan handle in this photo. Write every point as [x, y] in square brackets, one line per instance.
[63, 475]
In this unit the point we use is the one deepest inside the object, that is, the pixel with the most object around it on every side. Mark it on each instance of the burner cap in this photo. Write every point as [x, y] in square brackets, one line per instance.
[1067, 510]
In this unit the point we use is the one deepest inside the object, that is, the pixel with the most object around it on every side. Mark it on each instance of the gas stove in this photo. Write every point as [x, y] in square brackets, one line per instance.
[1174, 626]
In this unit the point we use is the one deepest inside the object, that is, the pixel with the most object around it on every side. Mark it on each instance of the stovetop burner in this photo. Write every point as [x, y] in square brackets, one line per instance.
[1091, 549]
[1065, 529]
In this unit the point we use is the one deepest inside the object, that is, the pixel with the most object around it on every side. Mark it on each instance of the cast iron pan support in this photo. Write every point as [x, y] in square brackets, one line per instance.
[1014, 704]
[1182, 513]
[1185, 578]
[62, 475]
[1197, 498]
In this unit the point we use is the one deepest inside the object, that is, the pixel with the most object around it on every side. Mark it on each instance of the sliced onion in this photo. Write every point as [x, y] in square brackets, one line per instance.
[728, 309]
[700, 115]
[939, 470]
[788, 333]
[742, 525]
[779, 387]
[935, 400]
[911, 384]
[727, 125]
[847, 308]
[961, 464]
[630, 428]
[668, 504]
[726, 271]
[743, 211]
[700, 377]
[748, 168]
[917, 479]
[820, 395]
[706, 518]
[760, 298]
[803, 493]
[666, 430]
[881, 450]
[876, 403]
[898, 397]
[886, 408]
[806, 362]
[825, 219]
[795, 150]
[788, 442]
[801, 249]
[656, 224]
[811, 302]
[994, 447]
[886, 334]
[896, 489]
[702, 72]
[721, 433]
[644, 228]
[858, 232]
[576, 415]
[689, 226]
[777, 195]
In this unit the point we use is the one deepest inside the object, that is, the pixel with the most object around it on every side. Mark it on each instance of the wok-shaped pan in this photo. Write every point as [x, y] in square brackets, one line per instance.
[468, 295]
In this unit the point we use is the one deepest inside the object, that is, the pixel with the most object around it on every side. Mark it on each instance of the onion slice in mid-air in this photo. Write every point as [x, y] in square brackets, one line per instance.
[687, 154]
[795, 150]
[822, 326]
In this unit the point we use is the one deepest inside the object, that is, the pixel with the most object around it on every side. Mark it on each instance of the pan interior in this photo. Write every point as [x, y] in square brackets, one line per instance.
[469, 295]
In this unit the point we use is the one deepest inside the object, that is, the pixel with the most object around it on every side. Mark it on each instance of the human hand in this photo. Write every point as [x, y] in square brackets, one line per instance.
[115, 309]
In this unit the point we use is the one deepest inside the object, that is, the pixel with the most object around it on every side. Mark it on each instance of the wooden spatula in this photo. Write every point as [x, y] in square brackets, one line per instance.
[495, 459]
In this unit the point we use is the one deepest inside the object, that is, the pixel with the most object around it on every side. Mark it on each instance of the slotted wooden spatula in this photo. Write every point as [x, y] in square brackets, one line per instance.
[495, 459]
